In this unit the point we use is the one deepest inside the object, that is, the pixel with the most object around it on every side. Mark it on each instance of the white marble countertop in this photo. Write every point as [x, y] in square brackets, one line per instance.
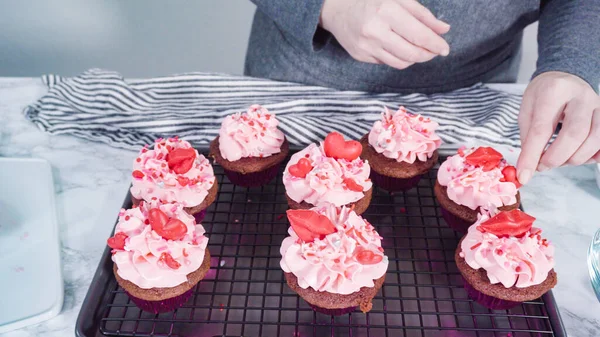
[91, 180]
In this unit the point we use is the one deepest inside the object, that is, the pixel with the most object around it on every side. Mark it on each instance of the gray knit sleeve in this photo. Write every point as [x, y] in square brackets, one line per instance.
[569, 39]
[298, 20]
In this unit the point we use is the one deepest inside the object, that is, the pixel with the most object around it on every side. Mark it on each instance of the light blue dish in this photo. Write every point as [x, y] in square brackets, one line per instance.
[31, 284]
[593, 260]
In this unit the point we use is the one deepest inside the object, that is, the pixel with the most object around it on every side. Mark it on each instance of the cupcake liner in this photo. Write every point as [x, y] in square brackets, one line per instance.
[253, 179]
[157, 307]
[455, 222]
[333, 312]
[488, 301]
[394, 184]
[200, 216]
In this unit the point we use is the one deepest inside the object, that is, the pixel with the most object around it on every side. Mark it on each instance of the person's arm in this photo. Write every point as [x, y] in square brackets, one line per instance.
[297, 19]
[569, 39]
[563, 89]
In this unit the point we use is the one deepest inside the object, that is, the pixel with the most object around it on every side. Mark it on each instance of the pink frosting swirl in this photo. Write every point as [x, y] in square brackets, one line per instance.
[404, 137]
[331, 264]
[472, 186]
[324, 184]
[140, 260]
[250, 134]
[160, 182]
[512, 261]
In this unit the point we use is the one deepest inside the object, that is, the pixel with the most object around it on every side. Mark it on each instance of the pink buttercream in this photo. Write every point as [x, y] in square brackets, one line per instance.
[520, 262]
[140, 263]
[472, 186]
[164, 184]
[250, 134]
[404, 137]
[330, 264]
[324, 184]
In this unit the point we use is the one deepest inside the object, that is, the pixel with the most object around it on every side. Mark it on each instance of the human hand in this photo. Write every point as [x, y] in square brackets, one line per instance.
[398, 33]
[548, 99]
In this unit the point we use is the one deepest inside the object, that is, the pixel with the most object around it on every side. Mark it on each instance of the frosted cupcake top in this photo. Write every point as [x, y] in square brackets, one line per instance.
[479, 178]
[157, 245]
[331, 173]
[404, 137]
[253, 133]
[332, 249]
[509, 249]
[172, 171]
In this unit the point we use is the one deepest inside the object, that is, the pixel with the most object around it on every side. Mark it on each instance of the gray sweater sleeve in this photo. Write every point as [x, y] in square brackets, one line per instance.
[298, 20]
[569, 39]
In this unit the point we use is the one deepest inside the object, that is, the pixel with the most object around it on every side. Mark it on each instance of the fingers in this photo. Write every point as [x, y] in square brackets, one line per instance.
[575, 129]
[525, 116]
[590, 149]
[426, 17]
[402, 49]
[540, 130]
[414, 31]
[386, 57]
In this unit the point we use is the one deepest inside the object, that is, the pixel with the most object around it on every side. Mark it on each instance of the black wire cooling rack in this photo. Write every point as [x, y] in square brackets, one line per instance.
[245, 294]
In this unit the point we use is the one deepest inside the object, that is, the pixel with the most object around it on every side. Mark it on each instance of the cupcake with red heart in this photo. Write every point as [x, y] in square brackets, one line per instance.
[250, 147]
[159, 255]
[333, 259]
[173, 171]
[473, 180]
[505, 261]
[329, 173]
[400, 147]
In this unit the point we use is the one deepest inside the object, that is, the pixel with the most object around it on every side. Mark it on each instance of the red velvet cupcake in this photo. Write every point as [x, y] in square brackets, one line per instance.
[333, 259]
[173, 171]
[250, 147]
[475, 180]
[159, 255]
[401, 147]
[504, 260]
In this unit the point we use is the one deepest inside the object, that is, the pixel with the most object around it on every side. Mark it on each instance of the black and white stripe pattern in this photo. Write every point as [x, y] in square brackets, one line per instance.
[101, 106]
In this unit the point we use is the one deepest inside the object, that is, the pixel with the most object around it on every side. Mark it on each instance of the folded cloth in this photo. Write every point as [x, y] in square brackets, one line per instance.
[101, 106]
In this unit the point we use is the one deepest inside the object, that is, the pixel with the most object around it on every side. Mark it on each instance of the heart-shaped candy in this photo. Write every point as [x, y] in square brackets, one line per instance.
[117, 241]
[181, 160]
[169, 261]
[309, 225]
[365, 256]
[301, 168]
[510, 175]
[170, 229]
[510, 223]
[352, 185]
[485, 157]
[336, 147]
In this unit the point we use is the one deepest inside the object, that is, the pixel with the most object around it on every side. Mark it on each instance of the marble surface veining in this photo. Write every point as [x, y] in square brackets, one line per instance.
[91, 180]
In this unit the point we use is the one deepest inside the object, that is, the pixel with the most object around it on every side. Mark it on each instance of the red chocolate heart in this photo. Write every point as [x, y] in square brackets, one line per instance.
[309, 225]
[511, 223]
[485, 157]
[352, 185]
[301, 168]
[117, 241]
[170, 229]
[181, 160]
[169, 261]
[365, 256]
[510, 175]
[336, 147]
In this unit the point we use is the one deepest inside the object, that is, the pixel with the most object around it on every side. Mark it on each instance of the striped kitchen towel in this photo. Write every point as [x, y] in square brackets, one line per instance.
[101, 106]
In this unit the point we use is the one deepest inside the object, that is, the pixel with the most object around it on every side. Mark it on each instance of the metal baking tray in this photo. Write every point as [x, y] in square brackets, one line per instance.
[245, 293]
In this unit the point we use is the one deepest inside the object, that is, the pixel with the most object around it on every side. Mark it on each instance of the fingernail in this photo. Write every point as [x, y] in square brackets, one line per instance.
[524, 176]
[591, 161]
[445, 52]
[542, 168]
